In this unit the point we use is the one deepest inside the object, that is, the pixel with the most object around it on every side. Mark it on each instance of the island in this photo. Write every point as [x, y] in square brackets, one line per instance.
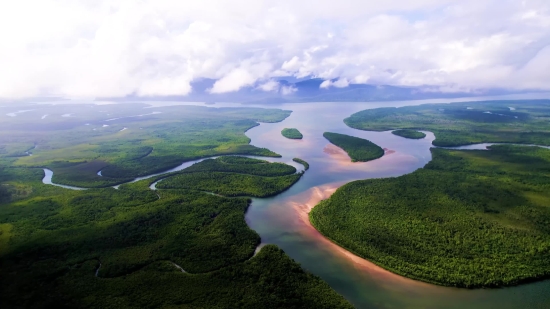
[235, 176]
[411, 134]
[469, 218]
[184, 243]
[291, 133]
[458, 124]
[456, 222]
[359, 149]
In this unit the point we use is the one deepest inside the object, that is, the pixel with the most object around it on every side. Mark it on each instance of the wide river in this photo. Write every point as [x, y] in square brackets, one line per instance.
[283, 220]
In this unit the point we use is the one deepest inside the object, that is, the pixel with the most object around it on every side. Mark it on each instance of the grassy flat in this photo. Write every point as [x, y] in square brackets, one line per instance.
[468, 219]
[412, 134]
[291, 133]
[357, 148]
[465, 123]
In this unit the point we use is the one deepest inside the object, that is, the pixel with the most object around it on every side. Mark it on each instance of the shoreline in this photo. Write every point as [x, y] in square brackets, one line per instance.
[307, 201]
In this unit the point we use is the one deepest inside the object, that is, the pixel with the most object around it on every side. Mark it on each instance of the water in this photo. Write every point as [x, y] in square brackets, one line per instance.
[484, 146]
[282, 220]
[48, 174]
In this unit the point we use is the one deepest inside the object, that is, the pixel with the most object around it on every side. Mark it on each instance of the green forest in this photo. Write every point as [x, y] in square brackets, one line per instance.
[469, 218]
[412, 134]
[242, 165]
[133, 247]
[358, 149]
[291, 133]
[229, 176]
[455, 124]
[111, 139]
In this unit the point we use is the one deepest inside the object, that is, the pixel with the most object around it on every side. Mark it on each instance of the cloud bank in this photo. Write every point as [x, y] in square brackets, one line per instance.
[95, 48]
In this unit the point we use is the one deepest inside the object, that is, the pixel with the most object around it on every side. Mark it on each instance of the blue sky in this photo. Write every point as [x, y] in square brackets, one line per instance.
[95, 48]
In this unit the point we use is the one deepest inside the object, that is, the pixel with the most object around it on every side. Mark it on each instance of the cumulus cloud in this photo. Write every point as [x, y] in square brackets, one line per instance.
[158, 47]
[340, 83]
[245, 75]
[269, 86]
[286, 90]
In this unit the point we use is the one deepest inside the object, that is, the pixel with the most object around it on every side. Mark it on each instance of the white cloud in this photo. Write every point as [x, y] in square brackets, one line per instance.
[325, 84]
[286, 90]
[246, 75]
[292, 64]
[157, 47]
[339, 83]
[164, 86]
[269, 86]
[233, 81]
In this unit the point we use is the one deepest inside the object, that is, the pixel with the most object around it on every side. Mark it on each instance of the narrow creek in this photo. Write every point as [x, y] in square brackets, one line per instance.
[283, 220]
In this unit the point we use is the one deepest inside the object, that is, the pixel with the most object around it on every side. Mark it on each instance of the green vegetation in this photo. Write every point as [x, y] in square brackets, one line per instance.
[122, 144]
[126, 248]
[243, 165]
[357, 148]
[234, 176]
[468, 219]
[291, 133]
[304, 163]
[465, 123]
[231, 184]
[269, 280]
[137, 246]
[412, 134]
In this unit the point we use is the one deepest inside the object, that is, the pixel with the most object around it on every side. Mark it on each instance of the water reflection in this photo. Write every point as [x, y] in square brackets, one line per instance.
[283, 220]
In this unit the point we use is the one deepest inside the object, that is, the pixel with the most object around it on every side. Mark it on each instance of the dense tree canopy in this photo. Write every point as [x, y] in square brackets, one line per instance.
[292, 133]
[468, 219]
[357, 148]
[135, 247]
[514, 121]
[412, 134]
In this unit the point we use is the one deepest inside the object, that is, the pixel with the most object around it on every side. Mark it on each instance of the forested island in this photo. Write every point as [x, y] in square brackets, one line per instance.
[135, 247]
[291, 133]
[412, 134]
[234, 176]
[465, 123]
[242, 165]
[469, 218]
[358, 149]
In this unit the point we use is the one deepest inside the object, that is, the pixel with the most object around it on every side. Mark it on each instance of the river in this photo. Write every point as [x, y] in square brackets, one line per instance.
[282, 220]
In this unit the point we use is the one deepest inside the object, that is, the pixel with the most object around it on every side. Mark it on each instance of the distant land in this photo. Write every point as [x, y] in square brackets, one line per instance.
[291, 90]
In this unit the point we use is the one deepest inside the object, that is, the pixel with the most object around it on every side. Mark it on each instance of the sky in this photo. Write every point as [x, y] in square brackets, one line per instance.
[96, 48]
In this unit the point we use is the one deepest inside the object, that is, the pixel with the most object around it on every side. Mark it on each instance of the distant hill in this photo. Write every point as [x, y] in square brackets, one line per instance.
[309, 90]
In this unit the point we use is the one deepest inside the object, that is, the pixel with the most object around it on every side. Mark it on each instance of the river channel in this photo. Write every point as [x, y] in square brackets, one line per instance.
[282, 220]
